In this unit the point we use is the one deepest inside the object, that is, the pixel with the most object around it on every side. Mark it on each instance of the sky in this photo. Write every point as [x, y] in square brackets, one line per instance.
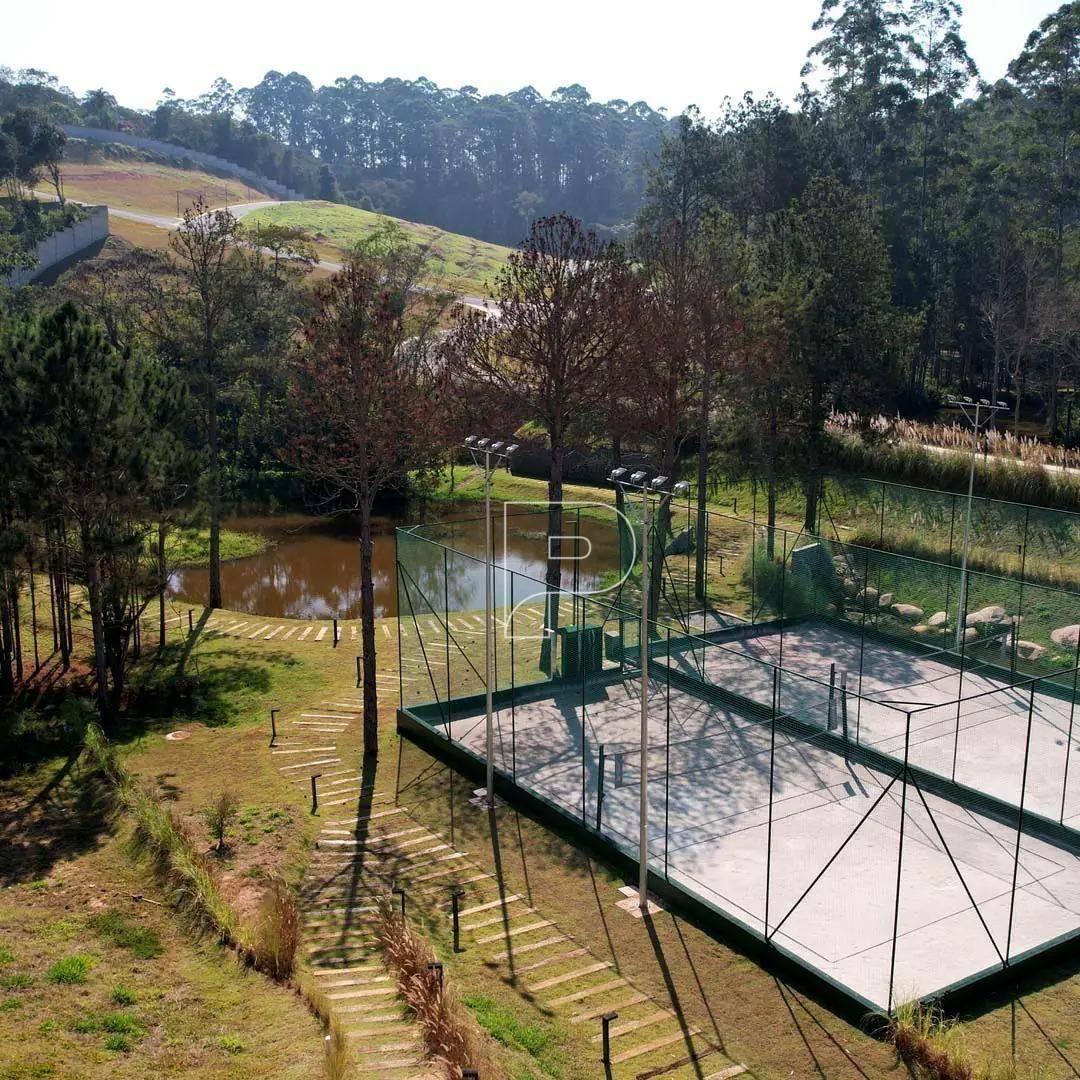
[670, 54]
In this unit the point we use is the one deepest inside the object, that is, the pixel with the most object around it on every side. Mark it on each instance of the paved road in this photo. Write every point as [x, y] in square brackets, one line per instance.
[1067, 469]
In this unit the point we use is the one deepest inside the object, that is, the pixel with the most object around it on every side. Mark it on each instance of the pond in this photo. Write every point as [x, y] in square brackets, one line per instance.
[312, 568]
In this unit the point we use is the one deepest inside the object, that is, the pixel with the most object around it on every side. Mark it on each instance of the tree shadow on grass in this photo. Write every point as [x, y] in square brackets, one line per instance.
[66, 817]
[213, 691]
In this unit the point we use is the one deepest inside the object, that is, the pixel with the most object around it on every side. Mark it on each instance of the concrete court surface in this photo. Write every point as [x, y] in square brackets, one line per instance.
[970, 728]
[711, 788]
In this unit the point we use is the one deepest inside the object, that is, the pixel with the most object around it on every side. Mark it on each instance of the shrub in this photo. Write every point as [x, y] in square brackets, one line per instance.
[71, 970]
[121, 995]
[120, 1043]
[19, 981]
[220, 815]
[928, 1044]
[120, 1023]
[118, 929]
[231, 1043]
[278, 933]
[778, 588]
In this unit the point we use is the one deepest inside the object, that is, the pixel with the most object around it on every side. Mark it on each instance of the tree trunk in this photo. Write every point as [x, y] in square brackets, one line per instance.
[161, 583]
[214, 599]
[702, 528]
[93, 596]
[367, 631]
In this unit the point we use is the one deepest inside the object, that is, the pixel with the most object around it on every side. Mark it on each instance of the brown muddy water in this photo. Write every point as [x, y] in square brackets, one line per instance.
[312, 568]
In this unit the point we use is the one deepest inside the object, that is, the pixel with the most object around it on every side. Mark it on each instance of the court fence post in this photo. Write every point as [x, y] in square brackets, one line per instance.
[446, 619]
[772, 770]
[513, 689]
[1019, 823]
[1069, 737]
[667, 749]
[602, 764]
[899, 861]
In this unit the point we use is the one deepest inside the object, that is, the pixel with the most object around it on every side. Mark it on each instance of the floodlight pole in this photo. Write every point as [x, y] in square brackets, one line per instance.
[982, 407]
[489, 615]
[485, 450]
[643, 639]
[637, 481]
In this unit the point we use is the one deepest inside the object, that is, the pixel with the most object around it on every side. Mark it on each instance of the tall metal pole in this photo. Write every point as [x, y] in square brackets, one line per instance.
[961, 611]
[489, 616]
[643, 837]
[992, 408]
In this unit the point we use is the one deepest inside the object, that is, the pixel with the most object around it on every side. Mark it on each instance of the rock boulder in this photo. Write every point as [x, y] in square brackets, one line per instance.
[907, 612]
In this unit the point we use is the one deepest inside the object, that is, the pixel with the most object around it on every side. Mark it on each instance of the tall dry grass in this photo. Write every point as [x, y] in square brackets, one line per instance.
[887, 449]
[996, 441]
[933, 1047]
[449, 1035]
[335, 1041]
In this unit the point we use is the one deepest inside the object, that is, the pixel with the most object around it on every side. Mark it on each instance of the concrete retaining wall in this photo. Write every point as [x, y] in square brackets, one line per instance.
[62, 245]
[156, 146]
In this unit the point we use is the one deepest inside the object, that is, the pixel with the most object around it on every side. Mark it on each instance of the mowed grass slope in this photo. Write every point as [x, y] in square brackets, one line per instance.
[460, 262]
[148, 187]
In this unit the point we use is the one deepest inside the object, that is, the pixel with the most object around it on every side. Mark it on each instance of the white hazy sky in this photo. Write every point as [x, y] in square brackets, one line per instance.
[669, 54]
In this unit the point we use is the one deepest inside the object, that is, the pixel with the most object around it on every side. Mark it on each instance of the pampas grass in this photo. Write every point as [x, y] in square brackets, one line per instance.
[897, 450]
[450, 1038]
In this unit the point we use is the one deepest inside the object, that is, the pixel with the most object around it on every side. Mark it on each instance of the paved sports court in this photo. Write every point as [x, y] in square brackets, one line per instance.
[957, 917]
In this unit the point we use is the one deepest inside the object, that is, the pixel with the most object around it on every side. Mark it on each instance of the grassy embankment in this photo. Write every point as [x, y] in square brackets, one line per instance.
[458, 262]
[132, 182]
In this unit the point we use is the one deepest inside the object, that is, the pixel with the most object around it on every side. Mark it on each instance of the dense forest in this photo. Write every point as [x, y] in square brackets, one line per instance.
[484, 165]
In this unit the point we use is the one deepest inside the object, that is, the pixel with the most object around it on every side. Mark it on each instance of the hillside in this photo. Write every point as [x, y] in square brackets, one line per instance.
[461, 262]
[145, 186]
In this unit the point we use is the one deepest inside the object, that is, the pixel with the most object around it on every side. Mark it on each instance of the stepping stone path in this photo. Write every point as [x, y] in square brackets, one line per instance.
[338, 900]
[375, 844]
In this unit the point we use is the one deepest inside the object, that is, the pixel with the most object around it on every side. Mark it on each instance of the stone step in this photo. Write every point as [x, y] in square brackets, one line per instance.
[634, 1025]
[359, 969]
[515, 931]
[310, 764]
[490, 904]
[502, 917]
[581, 995]
[350, 980]
[557, 958]
[570, 976]
[366, 992]
[593, 1014]
[401, 1047]
[650, 1047]
[531, 947]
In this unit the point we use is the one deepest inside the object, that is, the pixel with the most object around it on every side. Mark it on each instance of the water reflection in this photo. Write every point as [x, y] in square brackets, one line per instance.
[312, 571]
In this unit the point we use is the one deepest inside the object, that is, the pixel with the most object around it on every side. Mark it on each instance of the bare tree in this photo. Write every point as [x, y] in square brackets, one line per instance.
[363, 409]
[563, 316]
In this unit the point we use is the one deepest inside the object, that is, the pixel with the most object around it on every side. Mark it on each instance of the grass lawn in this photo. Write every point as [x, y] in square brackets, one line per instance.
[149, 187]
[459, 262]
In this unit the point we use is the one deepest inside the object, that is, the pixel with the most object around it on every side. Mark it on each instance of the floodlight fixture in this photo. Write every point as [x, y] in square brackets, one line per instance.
[638, 477]
[617, 475]
[657, 482]
[482, 444]
[512, 448]
[472, 440]
[496, 447]
[681, 488]
[1000, 405]
[984, 401]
